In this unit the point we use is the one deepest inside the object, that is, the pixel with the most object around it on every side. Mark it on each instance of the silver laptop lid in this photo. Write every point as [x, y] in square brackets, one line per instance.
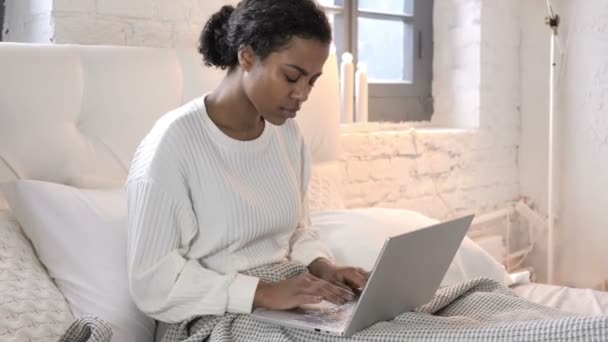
[408, 272]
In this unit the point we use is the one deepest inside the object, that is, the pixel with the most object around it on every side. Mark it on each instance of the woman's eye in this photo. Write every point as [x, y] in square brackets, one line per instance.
[291, 80]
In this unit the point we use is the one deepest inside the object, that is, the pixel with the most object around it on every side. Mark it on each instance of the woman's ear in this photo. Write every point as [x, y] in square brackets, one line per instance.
[247, 58]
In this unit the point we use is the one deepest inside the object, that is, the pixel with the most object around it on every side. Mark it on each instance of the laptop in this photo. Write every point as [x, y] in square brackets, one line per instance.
[406, 275]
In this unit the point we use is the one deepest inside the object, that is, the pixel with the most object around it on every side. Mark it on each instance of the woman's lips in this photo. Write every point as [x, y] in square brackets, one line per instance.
[289, 112]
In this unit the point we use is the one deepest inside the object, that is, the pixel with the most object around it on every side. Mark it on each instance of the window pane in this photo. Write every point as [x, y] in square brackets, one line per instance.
[339, 36]
[388, 6]
[386, 46]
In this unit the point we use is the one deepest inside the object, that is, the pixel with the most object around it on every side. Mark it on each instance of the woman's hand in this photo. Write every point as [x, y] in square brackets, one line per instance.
[352, 278]
[303, 289]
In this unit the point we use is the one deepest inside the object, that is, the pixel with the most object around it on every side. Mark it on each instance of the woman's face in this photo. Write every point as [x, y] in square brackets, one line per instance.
[278, 85]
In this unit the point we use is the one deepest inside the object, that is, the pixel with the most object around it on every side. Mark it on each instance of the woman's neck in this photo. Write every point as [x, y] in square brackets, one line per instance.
[231, 110]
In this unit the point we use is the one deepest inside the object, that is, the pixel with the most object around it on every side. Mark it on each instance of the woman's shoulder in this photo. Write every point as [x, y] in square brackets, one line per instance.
[170, 135]
[176, 126]
[179, 119]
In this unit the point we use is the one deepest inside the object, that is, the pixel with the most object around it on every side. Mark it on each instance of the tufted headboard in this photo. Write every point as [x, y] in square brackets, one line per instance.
[70, 111]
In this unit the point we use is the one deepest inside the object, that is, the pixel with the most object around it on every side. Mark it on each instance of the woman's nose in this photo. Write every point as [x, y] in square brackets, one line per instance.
[301, 92]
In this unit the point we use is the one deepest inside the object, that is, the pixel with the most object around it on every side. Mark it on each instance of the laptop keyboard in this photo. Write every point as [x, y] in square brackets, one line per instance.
[325, 313]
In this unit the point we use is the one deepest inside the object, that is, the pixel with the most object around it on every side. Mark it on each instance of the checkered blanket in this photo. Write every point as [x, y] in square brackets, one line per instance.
[88, 329]
[476, 310]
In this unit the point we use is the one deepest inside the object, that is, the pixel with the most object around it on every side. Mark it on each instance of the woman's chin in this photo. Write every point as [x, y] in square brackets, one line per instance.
[276, 120]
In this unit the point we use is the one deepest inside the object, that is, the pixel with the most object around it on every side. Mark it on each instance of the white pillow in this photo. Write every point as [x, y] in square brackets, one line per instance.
[80, 236]
[95, 182]
[3, 204]
[325, 187]
[356, 237]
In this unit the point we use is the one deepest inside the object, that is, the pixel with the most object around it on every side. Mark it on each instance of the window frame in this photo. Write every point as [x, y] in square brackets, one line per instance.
[2, 4]
[421, 19]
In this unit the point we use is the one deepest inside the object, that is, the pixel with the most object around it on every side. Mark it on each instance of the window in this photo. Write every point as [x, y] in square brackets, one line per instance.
[1, 19]
[394, 39]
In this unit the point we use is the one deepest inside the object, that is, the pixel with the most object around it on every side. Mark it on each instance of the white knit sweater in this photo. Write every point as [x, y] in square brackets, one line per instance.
[204, 207]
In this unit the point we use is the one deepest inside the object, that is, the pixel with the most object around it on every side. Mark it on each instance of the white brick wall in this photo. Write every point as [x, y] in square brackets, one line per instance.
[439, 172]
[126, 9]
[154, 23]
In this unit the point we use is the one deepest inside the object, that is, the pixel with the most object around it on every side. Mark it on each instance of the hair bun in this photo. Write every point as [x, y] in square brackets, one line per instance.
[214, 45]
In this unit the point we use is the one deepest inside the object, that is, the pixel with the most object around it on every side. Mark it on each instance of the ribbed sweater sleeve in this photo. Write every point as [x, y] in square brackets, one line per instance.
[163, 283]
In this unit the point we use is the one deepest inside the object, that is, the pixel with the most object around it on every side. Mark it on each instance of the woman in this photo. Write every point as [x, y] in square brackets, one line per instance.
[218, 185]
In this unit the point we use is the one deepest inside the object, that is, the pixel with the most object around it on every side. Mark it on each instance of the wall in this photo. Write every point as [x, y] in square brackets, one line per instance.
[156, 23]
[582, 135]
[442, 173]
[457, 63]
[534, 92]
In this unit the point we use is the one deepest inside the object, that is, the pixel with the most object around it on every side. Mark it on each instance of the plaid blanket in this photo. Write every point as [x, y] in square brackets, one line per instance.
[476, 310]
[88, 329]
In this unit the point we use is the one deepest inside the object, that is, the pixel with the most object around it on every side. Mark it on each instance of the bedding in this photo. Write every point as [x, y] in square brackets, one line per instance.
[557, 325]
[80, 236]
[475, 310]
[88, 329]
[580, 301]
[31, 306]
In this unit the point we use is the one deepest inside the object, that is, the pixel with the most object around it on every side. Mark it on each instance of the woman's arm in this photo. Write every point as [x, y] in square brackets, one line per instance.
[163, 283]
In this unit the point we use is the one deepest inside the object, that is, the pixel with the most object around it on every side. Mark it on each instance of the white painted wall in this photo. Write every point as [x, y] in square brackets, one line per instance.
[457, 63]
[534, 102]
[582, 114]
[583, 103]
[534, 92]
[500, 70]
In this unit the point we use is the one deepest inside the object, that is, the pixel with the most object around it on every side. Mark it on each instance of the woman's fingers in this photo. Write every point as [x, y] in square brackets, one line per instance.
[340, 291]
[364, 273]
[310, 289]
[330, 292]
[309, 299]
[355, 280]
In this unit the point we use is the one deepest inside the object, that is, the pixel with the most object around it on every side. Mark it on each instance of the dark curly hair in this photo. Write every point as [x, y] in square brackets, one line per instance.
[264, 25]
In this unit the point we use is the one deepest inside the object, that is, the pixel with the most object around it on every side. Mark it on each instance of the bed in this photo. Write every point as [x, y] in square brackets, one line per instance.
[575, 300]
[70, 119]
